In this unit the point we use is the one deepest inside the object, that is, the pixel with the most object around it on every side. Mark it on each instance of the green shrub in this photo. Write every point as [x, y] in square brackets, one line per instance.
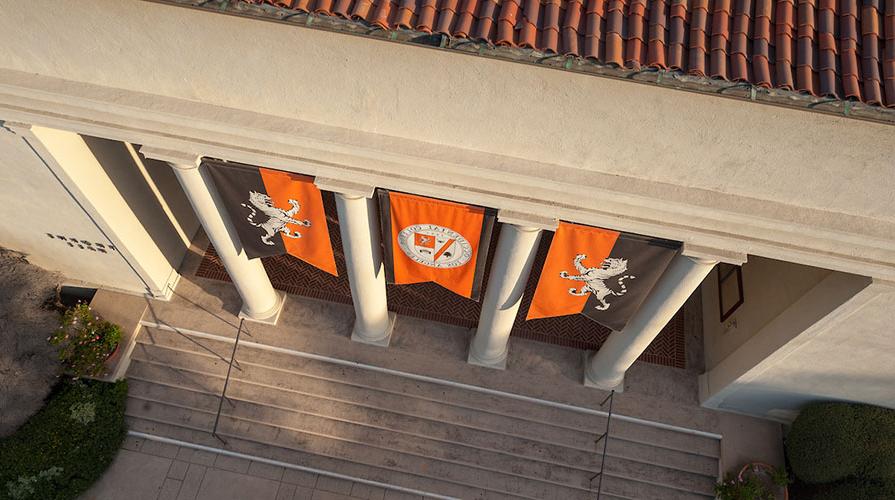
[857, 490]
[86, 340]
[67, 445]
[831, 442]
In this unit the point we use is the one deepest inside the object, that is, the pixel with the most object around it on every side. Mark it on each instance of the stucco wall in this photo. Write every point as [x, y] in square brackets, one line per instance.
[539, 114]
[833, 342]
[851, 359]
[769, 287]
[36, 204]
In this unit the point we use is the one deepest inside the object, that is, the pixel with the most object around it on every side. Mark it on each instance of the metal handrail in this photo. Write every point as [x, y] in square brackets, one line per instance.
[217, 417]
[605, 438]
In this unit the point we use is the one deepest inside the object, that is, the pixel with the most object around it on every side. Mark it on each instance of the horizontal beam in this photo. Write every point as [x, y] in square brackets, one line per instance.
[453, 173]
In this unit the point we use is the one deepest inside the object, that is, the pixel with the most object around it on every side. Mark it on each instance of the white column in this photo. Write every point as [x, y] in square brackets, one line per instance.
[606, 368]
[260, 302]
[359, 227]
[517, 246]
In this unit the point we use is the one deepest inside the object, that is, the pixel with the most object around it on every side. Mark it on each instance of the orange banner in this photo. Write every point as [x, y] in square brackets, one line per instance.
[310, 240]
[434, 240]
[552, 295]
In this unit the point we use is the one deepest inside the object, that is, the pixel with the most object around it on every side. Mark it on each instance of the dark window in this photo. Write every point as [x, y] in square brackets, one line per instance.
[730, 289]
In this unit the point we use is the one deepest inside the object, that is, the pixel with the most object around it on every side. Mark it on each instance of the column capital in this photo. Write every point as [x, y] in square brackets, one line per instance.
[183, 160]
[527, 220]
[708, 254]
[345, 188]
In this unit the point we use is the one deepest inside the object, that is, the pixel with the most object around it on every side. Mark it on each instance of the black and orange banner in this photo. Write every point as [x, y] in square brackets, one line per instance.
[435, 240]
[602, 274]
[275, 212]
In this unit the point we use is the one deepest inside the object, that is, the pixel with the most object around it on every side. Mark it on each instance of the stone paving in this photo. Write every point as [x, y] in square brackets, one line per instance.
[152, 470]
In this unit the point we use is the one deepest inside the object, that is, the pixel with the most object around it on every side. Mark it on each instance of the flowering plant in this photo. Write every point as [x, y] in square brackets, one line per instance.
[86, 340]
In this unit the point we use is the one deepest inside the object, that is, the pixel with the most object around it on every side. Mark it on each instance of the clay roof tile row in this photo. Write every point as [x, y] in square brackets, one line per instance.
[836, 48]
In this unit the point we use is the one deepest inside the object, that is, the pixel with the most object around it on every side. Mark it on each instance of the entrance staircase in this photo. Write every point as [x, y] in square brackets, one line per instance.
[448, 439]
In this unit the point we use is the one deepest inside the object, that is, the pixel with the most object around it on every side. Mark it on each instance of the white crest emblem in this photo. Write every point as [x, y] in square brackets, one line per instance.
[277, 218]
[594, 279]
[434, 246]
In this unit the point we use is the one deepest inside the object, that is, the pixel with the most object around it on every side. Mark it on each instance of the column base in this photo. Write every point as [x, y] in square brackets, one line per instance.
[617, 385]
[381, 342]
[496, 363]
[269, 317]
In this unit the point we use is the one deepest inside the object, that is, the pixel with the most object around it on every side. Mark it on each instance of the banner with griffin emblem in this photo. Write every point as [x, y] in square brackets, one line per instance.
[275, 212]
[434, 240]
[602, 274]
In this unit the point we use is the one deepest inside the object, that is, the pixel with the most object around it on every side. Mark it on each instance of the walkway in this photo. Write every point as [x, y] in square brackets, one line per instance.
[151, 470]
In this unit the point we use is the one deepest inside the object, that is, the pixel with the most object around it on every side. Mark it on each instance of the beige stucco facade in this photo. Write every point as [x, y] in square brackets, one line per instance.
[36, 204]
[731, 176]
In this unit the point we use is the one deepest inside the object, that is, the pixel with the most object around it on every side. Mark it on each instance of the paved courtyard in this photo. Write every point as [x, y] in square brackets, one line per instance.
[152, 470]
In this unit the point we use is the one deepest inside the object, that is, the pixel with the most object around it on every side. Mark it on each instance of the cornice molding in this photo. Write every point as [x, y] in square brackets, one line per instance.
[345, 188]
[181, 159]
[527, 220]
[707, 254]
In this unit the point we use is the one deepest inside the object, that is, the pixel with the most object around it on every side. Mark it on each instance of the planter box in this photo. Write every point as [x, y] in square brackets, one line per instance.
[126, 311]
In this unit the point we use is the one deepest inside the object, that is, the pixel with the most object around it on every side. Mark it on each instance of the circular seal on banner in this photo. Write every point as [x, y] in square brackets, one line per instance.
[435, 246]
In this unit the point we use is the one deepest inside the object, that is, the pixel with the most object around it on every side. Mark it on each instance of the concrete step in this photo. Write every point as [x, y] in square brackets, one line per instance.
[273, 450]
[414, 444]
[372, 418]
[475, 440]
[493, 415]
[472, 482]
[403, 440]
[567, 426]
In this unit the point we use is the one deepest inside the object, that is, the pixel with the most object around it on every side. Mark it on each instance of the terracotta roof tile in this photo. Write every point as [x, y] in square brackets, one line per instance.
[835, 48]
[361, 9]
[761, 43]
[595, 25]
[341, 8]
[870, 52]
[425, 19]
[549, 33]
[301, 5]
[720, 39]
[484, 27]
[446, 10]
[888, 61]
[678, 39]
[506, 22]
[571, 28]
[699, 20]
[635, 47]
[528, 24]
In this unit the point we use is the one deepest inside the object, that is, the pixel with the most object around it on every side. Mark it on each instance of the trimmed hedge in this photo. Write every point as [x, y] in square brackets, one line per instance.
[858, 490]
[832, 442]
[67, 445]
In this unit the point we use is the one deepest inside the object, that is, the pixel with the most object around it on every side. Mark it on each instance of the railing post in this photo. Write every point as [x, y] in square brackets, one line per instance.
[605, 438]
[217, 417]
